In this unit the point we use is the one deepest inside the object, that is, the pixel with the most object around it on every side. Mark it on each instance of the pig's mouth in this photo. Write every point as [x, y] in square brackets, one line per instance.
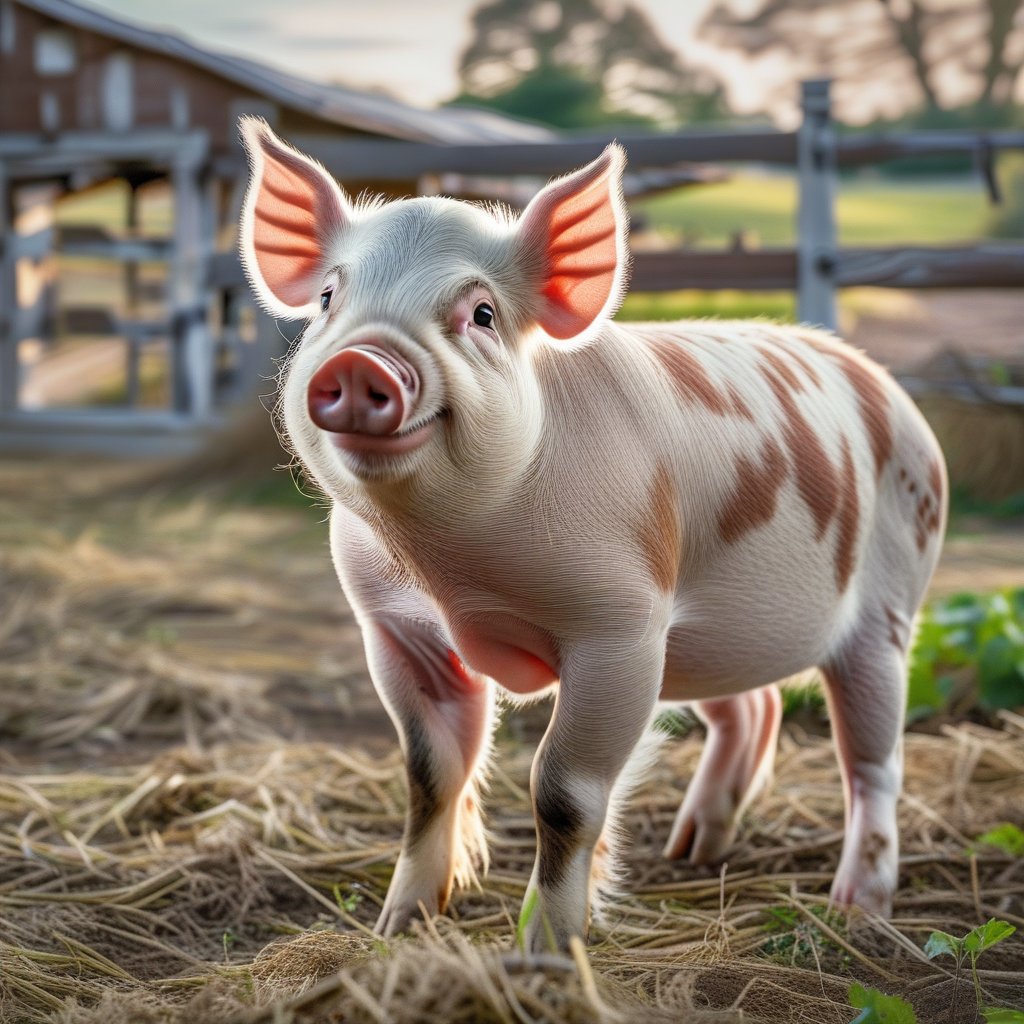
[400, 443]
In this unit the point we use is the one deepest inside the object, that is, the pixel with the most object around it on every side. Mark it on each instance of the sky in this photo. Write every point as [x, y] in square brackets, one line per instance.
[408, 47]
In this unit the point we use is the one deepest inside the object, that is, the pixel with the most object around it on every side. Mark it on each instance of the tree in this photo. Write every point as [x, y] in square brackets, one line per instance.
[887, 54]
[576, 64]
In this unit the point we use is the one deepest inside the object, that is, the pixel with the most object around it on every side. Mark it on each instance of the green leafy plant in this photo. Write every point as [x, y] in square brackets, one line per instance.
[348, 901]
[979, 637]
[1006, 837]
[1001, 1016]
[971, 946]
[878, 1008]
[792, 937]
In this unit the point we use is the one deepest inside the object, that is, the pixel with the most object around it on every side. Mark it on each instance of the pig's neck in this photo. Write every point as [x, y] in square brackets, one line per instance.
[558, 414]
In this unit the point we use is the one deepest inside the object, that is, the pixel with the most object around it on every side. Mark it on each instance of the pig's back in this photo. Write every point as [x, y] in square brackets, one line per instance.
[811, 493]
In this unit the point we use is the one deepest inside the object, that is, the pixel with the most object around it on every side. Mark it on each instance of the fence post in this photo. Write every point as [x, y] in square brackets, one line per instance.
[192, 348]
[816, 223]
[9, 366]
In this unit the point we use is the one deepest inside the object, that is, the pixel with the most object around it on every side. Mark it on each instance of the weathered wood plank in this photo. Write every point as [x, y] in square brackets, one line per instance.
[874, 148]
[118, 432]
[9, 370]
[756, 270]
[816, 218]
[192, 353]
[96, 241]
[990, 265]
[401, 161]
[101, 320]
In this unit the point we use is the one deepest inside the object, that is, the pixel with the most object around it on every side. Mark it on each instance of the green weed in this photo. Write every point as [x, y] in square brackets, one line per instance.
[878, 1008]
[970, 946]
[349, 900]
[793, 938]
[981, 634]
[1006, 837]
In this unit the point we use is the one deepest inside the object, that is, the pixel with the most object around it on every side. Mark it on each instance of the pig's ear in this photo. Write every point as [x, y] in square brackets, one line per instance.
[575, 229]
[293, 212]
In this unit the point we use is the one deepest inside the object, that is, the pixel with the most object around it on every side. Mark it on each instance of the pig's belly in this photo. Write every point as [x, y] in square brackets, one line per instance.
[733, 632]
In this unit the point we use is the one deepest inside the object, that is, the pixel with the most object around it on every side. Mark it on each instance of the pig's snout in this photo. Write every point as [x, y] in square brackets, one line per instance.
[362, 390]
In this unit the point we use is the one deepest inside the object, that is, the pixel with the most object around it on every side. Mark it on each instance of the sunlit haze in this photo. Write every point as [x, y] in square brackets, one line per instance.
[406, 47]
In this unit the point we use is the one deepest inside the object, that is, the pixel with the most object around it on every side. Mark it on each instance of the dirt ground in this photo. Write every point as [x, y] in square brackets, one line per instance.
[201, 800]
[200, 804]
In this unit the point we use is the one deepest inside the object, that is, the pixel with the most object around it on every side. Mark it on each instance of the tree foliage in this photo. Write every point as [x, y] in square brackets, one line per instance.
[926, 54]
[578, 64]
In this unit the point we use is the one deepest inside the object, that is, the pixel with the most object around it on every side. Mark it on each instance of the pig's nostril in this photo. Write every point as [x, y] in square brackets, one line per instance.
[378, 398]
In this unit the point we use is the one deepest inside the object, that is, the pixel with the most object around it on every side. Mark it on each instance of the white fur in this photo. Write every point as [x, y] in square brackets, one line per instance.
[516, 536]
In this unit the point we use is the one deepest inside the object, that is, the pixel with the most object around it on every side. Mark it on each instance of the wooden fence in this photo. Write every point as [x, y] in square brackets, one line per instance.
[207, 290]
[814, 269]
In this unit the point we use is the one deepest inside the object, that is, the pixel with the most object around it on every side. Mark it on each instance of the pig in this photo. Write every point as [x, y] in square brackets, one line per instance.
[528, 496]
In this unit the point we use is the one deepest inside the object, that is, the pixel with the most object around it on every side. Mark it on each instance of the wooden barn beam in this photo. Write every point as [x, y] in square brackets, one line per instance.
[9, 369]
[383, 160]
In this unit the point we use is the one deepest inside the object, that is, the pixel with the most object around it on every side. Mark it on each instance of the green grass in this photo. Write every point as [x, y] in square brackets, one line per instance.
[727, 305]
[870, 212]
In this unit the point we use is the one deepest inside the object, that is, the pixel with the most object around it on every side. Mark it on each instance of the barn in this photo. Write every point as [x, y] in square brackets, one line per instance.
[125, 324]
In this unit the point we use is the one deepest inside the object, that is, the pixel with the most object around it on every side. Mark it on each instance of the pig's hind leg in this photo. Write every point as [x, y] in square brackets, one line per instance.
[737, 760]
[443, 713]
[865, 688]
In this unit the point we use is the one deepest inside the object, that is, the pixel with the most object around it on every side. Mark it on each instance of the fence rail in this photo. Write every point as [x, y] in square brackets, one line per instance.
[203, 279]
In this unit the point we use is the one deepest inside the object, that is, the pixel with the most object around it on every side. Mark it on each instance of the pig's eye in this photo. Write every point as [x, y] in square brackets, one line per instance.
[325, 299]
[483, 315]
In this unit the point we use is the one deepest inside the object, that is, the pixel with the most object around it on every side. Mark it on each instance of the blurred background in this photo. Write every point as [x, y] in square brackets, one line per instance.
[193, 763]
[852, 163]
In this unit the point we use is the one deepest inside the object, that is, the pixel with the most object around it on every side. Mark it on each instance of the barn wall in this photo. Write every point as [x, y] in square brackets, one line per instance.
[96, 84]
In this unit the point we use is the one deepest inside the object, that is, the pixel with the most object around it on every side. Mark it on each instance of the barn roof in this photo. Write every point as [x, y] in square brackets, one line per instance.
[335, 104]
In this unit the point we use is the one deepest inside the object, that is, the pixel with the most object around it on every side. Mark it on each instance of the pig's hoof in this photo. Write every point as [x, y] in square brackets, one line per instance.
[700, 840]
[398, 914]
[871, 895]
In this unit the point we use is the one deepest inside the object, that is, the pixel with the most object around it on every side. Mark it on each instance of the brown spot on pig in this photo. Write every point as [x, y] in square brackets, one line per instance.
[660, 533]
[739, 405]
[809, 370]
[894, 621]
[816, 477]
[875, 845]
[782, 367]
[849, 515]
[935, 480]
[871, 398]
[559, 823]
[689, 378]
[424, 802]
[753, 500]
[874, 408]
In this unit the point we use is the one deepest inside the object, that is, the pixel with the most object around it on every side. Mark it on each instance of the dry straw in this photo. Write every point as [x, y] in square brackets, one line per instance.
[238, 885]
[167, 856]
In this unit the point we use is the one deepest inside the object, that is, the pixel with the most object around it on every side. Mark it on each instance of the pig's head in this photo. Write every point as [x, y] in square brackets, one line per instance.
[423, 314]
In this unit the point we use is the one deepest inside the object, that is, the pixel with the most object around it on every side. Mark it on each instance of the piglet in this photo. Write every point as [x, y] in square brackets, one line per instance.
[529, 496]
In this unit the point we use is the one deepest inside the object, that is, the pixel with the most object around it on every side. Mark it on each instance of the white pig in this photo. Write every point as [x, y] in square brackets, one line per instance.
[527, 495]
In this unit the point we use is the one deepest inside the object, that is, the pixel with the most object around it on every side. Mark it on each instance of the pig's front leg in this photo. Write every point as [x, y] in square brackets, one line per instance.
[442, 712]
[606, 698]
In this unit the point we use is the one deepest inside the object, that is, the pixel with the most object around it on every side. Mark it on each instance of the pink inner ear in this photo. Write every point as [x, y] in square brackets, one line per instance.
[582, 258]
[285, 231]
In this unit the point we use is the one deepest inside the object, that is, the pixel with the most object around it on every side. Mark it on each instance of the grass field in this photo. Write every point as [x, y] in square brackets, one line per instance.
[870, 211]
